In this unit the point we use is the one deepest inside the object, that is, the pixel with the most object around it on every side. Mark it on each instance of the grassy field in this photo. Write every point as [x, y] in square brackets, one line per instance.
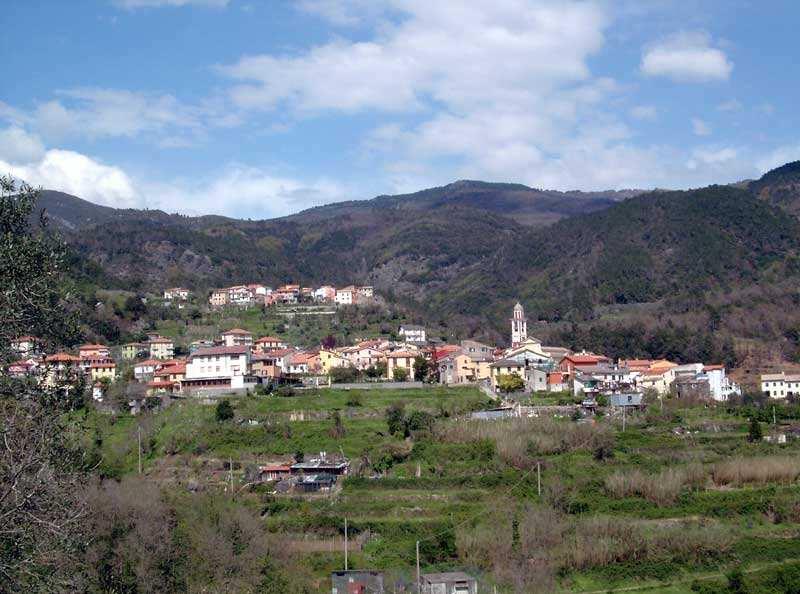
[674, 503]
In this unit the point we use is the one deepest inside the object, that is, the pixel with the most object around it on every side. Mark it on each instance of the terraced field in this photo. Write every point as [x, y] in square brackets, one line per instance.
[678, 502]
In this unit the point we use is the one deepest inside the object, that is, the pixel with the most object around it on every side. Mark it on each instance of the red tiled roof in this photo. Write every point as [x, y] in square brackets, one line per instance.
[149, 362]
[102, 365]
[159, 384]
[589, 359]
[712, 367]
[84, 347]
[276, 468]
[62, 358]
[238, 331]
[161, 340]
[401, 354]
[172, 369]
[268, 339]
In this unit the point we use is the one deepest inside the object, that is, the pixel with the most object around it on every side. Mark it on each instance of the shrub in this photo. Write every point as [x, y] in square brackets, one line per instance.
[224, 411]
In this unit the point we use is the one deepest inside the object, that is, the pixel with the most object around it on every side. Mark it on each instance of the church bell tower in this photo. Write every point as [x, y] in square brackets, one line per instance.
[519, 326]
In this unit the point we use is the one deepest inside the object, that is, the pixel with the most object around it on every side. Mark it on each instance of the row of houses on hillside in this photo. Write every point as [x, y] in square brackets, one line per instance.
[93, 362]
[557, 369]
[155, 347]
[256, 294]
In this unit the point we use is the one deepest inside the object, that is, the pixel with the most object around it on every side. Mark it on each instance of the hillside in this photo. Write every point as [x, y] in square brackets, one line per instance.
[780, 187]
[702, 260]
[527, 206]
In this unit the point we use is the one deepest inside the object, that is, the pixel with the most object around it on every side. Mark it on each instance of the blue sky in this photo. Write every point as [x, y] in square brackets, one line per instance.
[258, 109]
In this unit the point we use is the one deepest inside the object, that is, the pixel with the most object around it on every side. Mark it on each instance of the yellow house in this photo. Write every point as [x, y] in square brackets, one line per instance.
[330, 359]
[469, 369]
[400, 360]
[506, 367]
[99, 371]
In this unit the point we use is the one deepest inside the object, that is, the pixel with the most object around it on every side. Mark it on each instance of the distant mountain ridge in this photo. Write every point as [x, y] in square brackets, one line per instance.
[461, 254]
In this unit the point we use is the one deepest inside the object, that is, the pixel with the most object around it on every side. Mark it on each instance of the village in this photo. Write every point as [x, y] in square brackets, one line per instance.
[237, 361]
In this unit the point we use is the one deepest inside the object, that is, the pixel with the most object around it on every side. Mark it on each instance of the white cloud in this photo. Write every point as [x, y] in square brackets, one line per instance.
[644, 112]
[700, 127]
[77, 174]
[686, 57]
[17, 145]
[710, 156]
[245, 192]
[343, 12]
[99, 113]
[133, 4]
[462, 55]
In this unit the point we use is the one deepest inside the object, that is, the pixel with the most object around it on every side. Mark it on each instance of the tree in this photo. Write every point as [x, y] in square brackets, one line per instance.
[510, 382]
[41, 470]
[343, 375]
[338, 430]
[395, 418]
[422, 368]
[224, 411]
[400, 374]
[418, 420]
[754, 433]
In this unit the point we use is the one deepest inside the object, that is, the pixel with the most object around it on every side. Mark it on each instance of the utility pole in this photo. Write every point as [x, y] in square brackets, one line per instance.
[139, 437]
[419, 584]
[539, 478]
[624, 416]
[774, 420]
[345, 544]
[230, 473]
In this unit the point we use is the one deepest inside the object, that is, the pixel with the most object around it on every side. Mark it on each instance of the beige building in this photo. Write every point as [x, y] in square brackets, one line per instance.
[330, 359]
[237, 337]
[100, 371]
[162, 348]
[400, 360]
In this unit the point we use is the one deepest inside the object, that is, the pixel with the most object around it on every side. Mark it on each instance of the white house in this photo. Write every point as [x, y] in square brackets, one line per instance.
[780, 385]
[325, 294]
[413, 334]
[719, 384]
[346, 296]
[176, 293]
[144, 370]
[217, 367]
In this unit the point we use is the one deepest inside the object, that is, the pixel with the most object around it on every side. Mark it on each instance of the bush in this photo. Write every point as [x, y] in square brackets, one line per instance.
[354, 400]
[224, 411]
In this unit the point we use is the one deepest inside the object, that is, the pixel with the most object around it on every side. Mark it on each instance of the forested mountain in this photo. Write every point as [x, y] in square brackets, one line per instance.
[461, 254]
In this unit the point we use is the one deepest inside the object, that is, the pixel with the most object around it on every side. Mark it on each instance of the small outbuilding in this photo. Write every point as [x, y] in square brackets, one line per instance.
[454, 582]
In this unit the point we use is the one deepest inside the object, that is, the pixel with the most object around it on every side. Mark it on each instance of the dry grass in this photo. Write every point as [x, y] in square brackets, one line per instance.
[759, 470]
[520, 442]
[662, 488]
[601, 541]
[551, 543]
